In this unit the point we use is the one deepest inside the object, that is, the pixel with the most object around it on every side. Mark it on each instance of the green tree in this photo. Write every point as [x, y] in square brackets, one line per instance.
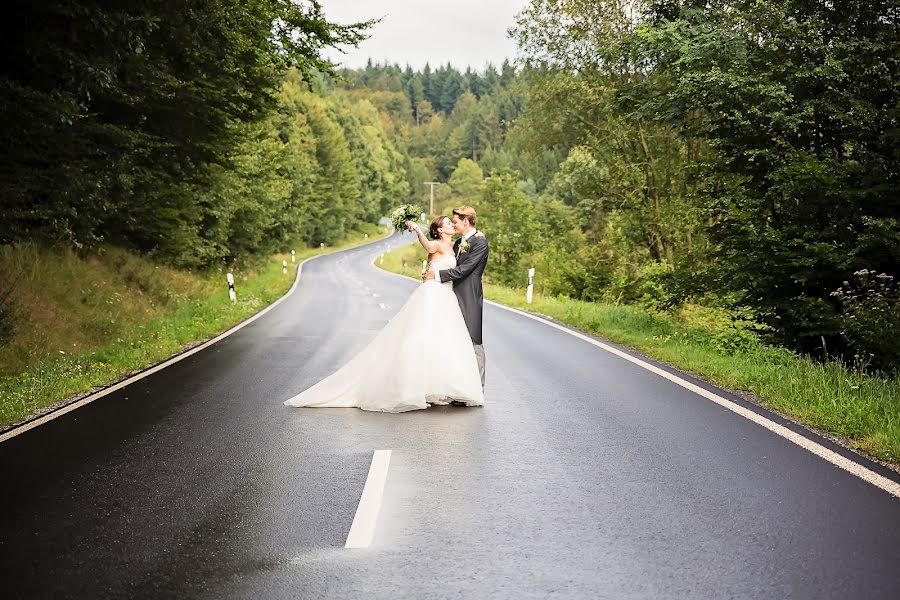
[416, 96]
[452, 89]
[467, 180]
[508, 219]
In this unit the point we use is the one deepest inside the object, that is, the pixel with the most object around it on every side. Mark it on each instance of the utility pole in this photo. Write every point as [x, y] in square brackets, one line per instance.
[432, 184]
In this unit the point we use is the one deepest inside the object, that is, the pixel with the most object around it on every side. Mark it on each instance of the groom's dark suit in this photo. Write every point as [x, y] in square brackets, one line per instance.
[466, 278]
[471, 258]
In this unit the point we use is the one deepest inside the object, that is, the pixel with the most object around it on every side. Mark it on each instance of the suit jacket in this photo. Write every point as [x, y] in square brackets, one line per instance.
[466, 278]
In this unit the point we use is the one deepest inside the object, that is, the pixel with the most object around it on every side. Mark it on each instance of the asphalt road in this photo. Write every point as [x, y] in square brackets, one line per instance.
[584, 476]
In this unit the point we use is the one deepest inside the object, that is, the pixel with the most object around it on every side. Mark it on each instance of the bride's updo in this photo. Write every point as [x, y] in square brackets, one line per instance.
[434, 232]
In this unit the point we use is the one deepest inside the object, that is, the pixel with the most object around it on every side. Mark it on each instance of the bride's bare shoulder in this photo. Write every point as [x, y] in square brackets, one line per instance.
[444, 249]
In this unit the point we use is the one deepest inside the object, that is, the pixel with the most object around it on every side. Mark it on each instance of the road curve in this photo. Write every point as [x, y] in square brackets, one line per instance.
[584, 476]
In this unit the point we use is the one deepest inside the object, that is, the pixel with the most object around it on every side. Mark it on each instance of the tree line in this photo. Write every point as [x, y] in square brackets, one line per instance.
[190, 131]
[750, 149]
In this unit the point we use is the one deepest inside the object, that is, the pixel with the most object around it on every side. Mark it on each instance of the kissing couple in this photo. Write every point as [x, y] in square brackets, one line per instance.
[431, 352]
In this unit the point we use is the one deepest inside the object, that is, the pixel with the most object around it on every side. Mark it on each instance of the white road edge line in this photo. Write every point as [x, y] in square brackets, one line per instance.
[363, 528]
[125, 382]
[842, 462]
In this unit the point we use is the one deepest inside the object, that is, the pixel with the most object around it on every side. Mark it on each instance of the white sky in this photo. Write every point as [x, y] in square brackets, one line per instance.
[463, 32]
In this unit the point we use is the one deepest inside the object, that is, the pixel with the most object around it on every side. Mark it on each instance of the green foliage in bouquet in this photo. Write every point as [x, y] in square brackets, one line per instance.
[404, 213]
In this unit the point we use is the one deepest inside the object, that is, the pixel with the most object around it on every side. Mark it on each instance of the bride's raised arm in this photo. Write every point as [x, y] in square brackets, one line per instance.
[430, 246]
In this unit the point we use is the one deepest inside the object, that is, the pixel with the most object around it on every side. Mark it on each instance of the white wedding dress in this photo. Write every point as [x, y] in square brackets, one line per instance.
[424, 354]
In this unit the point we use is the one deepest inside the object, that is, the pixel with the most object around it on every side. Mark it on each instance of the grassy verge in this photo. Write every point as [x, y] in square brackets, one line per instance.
[84, 323]
[860, 409]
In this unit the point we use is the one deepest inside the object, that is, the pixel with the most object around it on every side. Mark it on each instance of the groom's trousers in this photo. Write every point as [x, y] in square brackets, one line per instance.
[479, 354]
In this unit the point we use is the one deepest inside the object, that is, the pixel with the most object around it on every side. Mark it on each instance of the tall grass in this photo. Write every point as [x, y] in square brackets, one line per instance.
[862, 408]
[84, 323]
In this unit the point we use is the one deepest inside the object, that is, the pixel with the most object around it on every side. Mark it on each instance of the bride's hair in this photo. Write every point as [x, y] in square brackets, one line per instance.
[434, 232]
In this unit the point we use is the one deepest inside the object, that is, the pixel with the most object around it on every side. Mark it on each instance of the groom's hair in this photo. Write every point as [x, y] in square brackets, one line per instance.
[467, 213]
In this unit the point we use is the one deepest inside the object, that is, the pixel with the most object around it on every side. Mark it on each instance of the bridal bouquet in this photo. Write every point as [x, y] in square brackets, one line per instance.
[404, 213]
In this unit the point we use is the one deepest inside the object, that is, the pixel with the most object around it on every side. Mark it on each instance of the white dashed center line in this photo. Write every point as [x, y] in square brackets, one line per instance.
[363, 528]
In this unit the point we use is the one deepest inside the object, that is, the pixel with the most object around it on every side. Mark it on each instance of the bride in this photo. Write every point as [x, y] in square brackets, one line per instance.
[423, 355]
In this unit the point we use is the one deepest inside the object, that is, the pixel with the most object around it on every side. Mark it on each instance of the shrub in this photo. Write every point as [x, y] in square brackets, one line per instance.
[870, 318]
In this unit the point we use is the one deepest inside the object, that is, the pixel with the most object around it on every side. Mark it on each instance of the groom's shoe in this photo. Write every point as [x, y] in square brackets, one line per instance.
[457, 403]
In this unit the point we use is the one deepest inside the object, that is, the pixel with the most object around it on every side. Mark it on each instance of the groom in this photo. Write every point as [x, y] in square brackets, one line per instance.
[471, 257]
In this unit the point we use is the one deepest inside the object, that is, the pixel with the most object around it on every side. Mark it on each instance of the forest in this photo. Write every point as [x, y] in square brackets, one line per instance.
[190, 132]
[736, 155]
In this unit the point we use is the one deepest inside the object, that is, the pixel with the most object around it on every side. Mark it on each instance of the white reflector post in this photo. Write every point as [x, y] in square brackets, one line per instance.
[231, 294]
[529, 292]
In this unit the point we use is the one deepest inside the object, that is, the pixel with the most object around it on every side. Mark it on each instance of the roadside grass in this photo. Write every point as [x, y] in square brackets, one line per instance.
[861, 408]
[84, 323]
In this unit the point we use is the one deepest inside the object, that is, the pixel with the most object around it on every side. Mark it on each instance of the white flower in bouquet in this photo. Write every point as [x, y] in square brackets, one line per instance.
[402, 214]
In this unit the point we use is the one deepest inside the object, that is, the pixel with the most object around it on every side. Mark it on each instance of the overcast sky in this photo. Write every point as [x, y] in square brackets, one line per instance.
[463, 32]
